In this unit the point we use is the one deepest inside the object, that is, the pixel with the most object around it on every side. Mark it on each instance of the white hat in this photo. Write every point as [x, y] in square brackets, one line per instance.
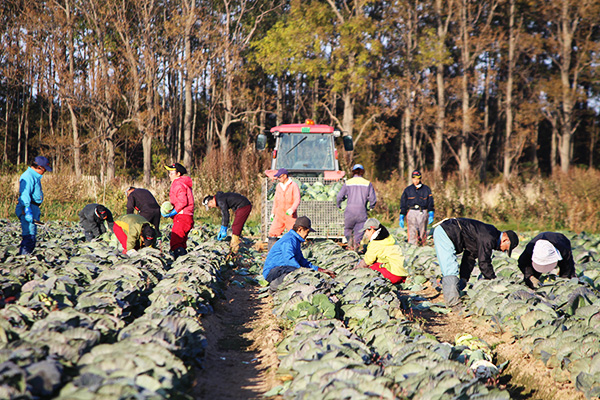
[545, 256]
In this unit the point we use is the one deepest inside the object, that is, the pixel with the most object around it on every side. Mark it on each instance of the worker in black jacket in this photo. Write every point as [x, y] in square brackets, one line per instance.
[475, 240]
[145, 204]
[92, 219]
[546, 251]
[241, 207]
[416, 204]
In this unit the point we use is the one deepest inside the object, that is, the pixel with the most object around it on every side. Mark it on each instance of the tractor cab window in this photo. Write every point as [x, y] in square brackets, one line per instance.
[305, 151]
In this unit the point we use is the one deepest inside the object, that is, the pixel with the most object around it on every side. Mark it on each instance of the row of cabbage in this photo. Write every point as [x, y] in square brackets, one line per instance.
[558, 323]
[350, 339]
[86, 322]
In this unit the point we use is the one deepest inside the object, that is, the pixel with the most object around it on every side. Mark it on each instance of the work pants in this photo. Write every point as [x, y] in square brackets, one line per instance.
[240, 217]
[282, 222]
[387, 274]
[182, 225]
[354, 221]
[416, 221]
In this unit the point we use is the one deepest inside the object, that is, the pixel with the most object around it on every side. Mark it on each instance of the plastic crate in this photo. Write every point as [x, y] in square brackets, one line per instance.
[326, 219]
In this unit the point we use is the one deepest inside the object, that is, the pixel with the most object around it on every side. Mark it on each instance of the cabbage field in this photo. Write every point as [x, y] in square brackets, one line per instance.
[79, 320]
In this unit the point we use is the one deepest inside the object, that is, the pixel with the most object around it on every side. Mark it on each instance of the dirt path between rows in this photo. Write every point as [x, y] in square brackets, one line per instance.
[525, 377]
[240, 361]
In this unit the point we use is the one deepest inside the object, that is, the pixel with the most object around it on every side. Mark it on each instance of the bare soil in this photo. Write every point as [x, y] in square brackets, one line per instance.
[525, 377]
[241, 361]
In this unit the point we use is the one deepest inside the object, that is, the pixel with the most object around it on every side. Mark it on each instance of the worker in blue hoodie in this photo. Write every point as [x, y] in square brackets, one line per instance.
[30, 199]
[286, 254]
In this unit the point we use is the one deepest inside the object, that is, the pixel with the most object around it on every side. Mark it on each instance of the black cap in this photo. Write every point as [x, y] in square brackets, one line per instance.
[176, 167]
[514, 241]
[304, 222]
[148, 236]
[206, 200]
[416, 173]
[102, 212]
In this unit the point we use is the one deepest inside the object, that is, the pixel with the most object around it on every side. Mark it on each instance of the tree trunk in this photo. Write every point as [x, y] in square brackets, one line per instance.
[279, 112]
[406, 131]
[71, 84]
[442, 30]
[187, 118]
[509, 92]
[463, 162]
[76, 145]
[554, 147]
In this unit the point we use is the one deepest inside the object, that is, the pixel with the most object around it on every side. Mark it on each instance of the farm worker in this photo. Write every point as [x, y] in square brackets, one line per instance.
[383, 254]
[30, 199]
[240, 205]
[475, 240]
[182, 198]
[361, 198]
[92, 219]
[286, 254]
[542, 254]
[134, 232]
[285, 204]
[142, 201]
[416, 206]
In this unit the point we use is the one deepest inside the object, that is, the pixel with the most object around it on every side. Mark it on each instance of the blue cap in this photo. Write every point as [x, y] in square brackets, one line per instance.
[43, 162]
[358, 166]
[281, 171]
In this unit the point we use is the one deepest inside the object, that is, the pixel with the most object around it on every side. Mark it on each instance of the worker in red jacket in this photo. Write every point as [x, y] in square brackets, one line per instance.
[182, 198]
[285, 204]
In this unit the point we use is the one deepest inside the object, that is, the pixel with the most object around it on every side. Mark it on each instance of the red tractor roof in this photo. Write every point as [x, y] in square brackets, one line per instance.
[303, 128]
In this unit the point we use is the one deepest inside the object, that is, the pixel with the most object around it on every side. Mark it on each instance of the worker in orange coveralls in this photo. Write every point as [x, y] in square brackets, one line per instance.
[285, 204]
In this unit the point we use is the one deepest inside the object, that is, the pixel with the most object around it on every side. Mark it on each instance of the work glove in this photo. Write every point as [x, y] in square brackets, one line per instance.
[28, 215]
[131, 252]
[430, 218]
[169, 215]
[222, 233]
[290, 211]
[401, 221]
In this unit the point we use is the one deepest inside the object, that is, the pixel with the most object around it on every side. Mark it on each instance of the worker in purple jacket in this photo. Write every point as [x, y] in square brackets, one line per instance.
[361, 198]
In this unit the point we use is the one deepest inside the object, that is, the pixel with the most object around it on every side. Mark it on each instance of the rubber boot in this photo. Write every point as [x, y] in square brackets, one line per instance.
[450, 290]
[272, 241]
[234, 246]
[27, 244]
[178, 252]
[350, 243]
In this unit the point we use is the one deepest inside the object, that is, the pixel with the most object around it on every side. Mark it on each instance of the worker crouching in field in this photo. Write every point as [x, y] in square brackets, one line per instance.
[182, 198]
[285, 204]
[542, 254]
[240, 205]
[383, 254]
[134, 232]
[286, 254]
[475, 240]
[30, 200]
[142, 201]
[92, 219]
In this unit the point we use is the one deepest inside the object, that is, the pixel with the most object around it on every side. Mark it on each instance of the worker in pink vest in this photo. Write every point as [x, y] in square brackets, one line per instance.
[285, 204]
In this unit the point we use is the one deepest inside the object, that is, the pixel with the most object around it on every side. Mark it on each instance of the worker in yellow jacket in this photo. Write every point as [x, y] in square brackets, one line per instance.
[383, 254]
[133, 232]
